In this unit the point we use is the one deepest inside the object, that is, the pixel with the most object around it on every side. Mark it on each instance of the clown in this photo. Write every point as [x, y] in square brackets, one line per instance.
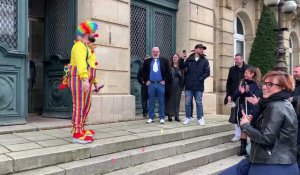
[80, 76]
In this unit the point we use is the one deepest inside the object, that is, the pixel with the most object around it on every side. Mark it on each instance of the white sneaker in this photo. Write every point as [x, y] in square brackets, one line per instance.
[201, 121]
[149, 121]
[235, 139]
[186, 121]
[162, 121]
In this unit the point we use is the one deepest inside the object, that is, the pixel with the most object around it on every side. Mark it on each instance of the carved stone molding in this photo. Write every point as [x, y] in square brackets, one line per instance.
[244, 3]
[7, 94]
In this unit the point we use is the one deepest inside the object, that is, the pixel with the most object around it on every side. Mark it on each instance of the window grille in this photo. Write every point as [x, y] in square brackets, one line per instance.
[58, 38]
[138, 32]
[8, 23]
[163, 34]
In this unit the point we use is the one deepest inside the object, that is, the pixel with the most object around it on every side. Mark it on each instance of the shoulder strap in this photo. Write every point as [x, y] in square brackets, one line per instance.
[246, 107]
[87, 52]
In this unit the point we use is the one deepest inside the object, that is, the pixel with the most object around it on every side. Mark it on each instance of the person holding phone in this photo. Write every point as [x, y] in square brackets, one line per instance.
[246, 98]
[197, 70]
[184, 56]
[273, 131]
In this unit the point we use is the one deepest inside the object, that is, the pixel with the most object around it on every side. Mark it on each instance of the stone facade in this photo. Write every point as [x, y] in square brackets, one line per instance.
[113, 52]
[198, 21]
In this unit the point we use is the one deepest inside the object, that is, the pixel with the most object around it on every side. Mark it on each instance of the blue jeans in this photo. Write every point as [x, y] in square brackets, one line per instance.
[244, 167]
[189, 94]
[156, 90]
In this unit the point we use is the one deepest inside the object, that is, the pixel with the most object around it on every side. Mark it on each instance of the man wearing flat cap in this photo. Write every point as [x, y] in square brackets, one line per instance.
[197, 70]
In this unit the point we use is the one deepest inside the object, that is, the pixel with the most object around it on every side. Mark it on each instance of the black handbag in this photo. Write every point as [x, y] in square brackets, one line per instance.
[232, 118]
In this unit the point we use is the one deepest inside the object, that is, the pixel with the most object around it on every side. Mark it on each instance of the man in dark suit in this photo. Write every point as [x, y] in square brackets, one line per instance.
[156, 73]
[144, 89]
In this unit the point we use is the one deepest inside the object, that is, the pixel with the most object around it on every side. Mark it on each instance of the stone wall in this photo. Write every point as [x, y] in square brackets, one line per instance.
[195, 24]
[226, 13]
[114, 103]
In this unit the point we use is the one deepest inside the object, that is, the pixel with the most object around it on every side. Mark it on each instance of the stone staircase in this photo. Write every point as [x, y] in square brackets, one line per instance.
[133, 148]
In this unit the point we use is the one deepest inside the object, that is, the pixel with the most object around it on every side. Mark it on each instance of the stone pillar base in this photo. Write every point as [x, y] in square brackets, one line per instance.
[111, 108]
[223, 109]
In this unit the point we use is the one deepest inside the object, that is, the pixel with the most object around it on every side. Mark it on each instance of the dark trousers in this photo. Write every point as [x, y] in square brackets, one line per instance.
[298, 144]
[144, 97]
[244, 167]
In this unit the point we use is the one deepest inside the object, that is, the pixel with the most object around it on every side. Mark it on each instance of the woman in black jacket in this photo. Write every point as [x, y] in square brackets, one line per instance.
[173, 102]
[249, 87]
[273, 131]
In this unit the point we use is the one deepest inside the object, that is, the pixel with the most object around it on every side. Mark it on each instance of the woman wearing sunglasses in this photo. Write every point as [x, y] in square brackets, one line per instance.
[273, 131]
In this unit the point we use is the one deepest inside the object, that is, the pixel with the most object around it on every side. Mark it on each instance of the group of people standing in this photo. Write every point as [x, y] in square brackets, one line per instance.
[266, 112]
[165, 79]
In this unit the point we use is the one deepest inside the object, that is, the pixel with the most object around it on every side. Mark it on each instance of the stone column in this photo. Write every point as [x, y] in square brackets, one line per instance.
[225, 50]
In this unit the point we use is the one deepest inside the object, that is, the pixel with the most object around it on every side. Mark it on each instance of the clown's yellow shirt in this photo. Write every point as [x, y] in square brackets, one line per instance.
[80, 60]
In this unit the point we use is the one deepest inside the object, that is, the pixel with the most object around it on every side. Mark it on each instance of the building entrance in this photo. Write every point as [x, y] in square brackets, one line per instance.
[51, 35]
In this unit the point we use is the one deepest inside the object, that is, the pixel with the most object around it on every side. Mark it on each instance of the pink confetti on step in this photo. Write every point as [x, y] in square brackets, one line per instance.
[113, 160]
[143, 149]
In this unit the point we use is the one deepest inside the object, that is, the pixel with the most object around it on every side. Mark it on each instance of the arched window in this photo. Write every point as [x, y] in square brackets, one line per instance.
[239, 37]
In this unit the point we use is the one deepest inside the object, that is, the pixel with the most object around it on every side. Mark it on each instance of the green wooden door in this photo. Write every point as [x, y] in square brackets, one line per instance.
[153, 24]
[13, 61]
[60, 34]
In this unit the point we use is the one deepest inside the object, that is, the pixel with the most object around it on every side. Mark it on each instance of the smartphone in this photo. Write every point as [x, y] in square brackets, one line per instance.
[184, 53]
[242, 108]
[244, 83]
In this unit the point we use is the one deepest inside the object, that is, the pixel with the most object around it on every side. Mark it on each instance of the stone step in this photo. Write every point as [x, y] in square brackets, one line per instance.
[214, 168]
[37, 158]
[133, 157]
[180, 163]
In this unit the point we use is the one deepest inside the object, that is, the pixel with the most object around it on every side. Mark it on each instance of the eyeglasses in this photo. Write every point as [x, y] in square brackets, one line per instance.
[269, 84]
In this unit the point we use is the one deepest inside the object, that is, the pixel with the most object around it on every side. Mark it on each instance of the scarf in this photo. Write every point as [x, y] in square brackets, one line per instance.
[264, 102]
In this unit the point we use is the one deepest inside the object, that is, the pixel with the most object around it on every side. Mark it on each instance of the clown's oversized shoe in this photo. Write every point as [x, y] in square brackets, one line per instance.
[82, 138]
[89, 132]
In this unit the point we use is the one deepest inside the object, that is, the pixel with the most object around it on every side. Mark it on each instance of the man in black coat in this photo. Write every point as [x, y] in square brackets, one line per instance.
[156, 73]
[294, 99]
[236, 73]
[197, 70]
